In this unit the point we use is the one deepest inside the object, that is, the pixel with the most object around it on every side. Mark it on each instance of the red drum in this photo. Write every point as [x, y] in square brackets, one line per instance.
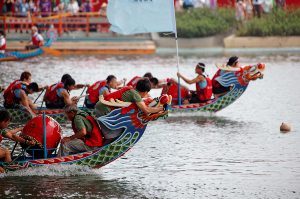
[33, 130]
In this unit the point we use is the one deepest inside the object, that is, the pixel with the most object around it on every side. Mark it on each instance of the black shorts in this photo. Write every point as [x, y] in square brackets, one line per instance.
[88, 105]
[220, 89]
[195, 99]
[55, 105]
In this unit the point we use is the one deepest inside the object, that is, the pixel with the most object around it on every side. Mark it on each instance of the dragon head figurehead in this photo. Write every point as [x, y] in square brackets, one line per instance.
[251, 73]
[240, 76]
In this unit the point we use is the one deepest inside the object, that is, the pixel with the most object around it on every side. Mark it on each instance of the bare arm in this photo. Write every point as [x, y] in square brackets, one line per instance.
[105, 92]
[192, 81]
[25, 103]
[147, 109]
[66, 97]
[13, 136]
[79, 134]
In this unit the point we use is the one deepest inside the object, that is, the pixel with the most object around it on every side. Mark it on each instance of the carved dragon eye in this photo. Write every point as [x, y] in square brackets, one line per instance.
[252, 69]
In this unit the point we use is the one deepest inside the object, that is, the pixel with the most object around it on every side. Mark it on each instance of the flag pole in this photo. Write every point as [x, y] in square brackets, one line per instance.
[177, 50]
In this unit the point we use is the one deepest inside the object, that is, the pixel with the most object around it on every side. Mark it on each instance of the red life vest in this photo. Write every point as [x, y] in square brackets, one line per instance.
[35, 40]
[204, 94]
[215, 83]
[51, 93]
[94, 89]
[173, 91]
[93, 138]
[118, 94]
[10, 97]
[9, 88]
[3, 46]
[133, 81]
[1, 138]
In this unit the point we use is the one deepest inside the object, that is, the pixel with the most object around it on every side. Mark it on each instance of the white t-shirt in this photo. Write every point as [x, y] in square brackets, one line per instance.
[2, 42]
[73, 7]
[38, 36]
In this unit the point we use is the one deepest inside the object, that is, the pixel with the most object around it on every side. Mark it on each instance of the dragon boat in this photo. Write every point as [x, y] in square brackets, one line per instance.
[237, 80]
[129, 121]
[20, 55]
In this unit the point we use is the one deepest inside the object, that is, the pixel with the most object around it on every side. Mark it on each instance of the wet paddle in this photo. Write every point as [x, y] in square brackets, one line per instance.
[39, 96]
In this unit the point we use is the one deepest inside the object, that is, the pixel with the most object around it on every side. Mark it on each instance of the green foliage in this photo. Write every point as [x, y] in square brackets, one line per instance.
[277, 23]
[203, 22]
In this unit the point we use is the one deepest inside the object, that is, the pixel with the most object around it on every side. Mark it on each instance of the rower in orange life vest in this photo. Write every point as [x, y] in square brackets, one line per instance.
[87, 134]
[11, 134]
[102, 87]
[2, 43]
[218, 89]
[37, 39]
[18, 97]
[57, 96]
[203, 85]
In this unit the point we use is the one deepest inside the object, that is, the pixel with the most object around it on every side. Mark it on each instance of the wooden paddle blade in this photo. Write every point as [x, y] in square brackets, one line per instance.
[52, 51]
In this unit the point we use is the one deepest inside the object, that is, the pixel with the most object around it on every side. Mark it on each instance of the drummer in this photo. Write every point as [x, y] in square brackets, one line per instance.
[87, 134]
[5, 119]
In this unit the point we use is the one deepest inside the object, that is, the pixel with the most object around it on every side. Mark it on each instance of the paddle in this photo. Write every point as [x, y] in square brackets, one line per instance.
[39, 96]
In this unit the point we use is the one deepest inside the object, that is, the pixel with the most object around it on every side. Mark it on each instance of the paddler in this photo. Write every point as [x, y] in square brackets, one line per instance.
[129, 94]
[153, 80]
[77, 86]
[87, 134]
[37, 39]
[102, 87]
[218, 89]
[5, 119]
[57, 96]
[17, 96]
[203, 85]
[2, 43]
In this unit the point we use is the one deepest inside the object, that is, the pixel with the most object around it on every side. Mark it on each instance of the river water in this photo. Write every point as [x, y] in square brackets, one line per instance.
[236, 153]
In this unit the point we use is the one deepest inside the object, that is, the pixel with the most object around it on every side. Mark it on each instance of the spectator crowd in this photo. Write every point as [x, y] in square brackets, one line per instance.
[22, 8]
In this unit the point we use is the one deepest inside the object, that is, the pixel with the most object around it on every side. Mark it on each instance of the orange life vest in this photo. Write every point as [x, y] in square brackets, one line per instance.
[10, 97]
[94, 89]
[118, 94]
[204, 94]
[133, 81]
[51, 93]
[93, 138]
